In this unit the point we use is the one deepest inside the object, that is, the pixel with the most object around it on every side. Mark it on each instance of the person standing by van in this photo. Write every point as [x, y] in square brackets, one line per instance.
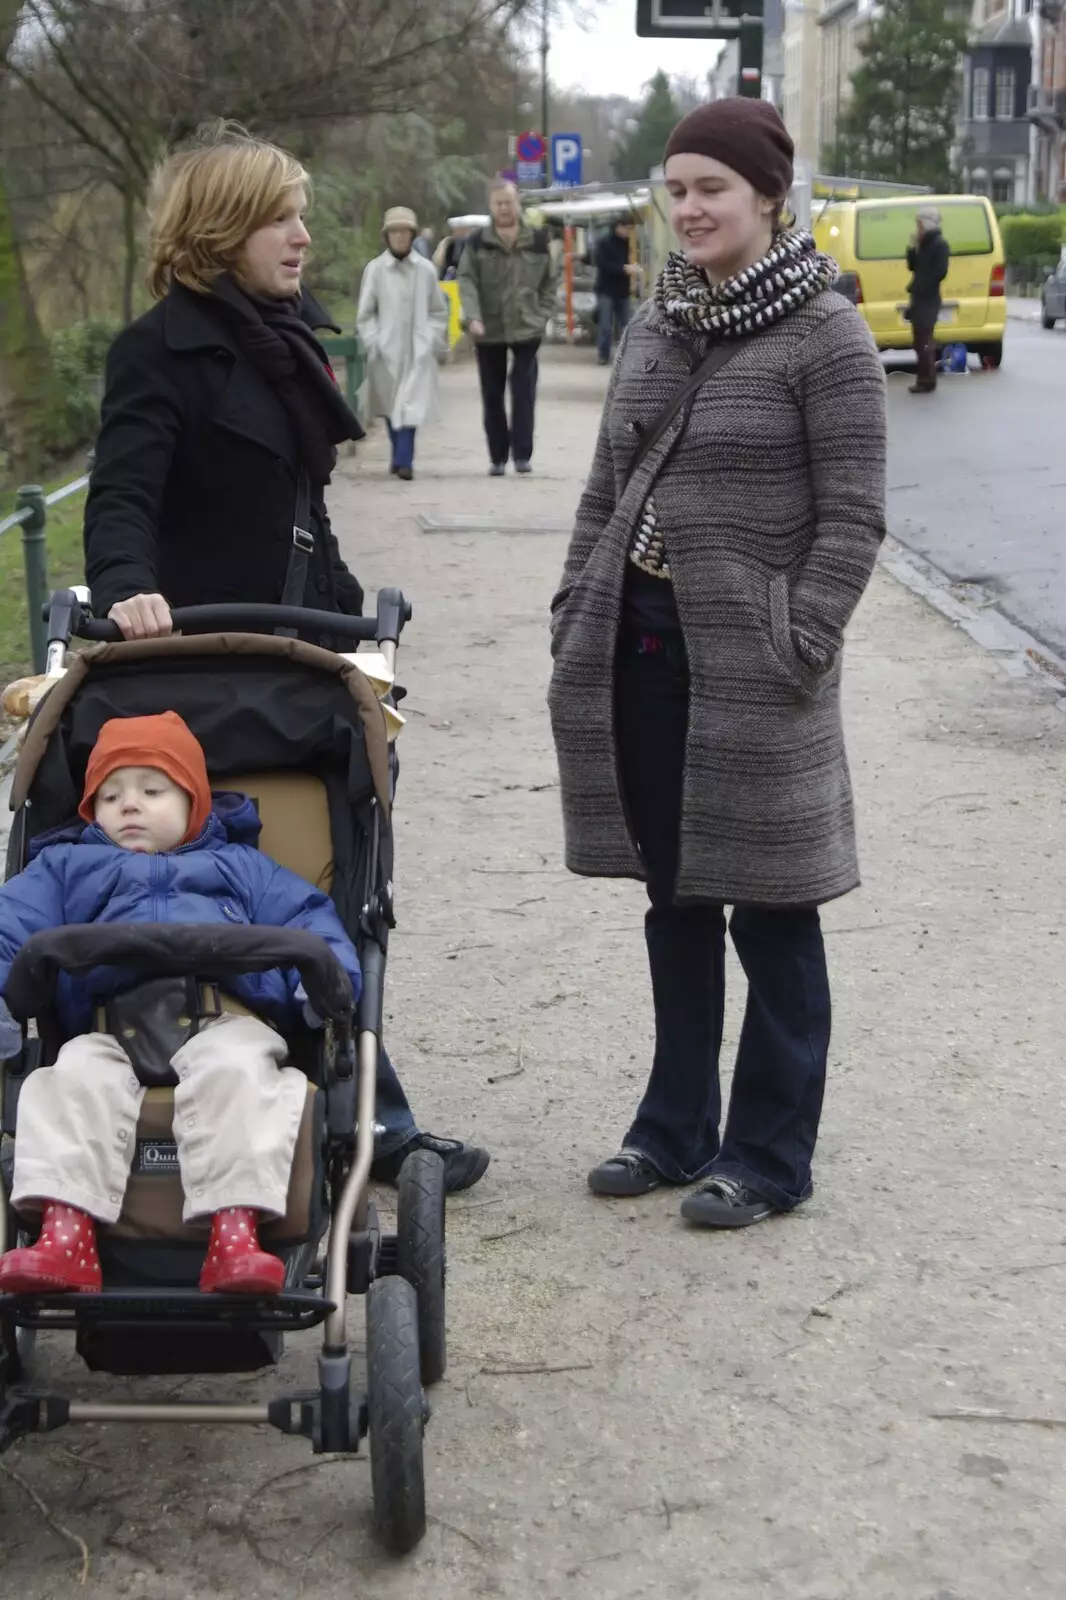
[928, 259]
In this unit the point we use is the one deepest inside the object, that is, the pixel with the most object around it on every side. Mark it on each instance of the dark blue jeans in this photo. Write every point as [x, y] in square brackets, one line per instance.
[779, 1079]
[403, 445]
[612, 319]
[391, 1109]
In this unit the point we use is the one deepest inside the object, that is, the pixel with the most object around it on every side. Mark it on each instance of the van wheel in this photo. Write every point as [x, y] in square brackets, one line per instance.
[1046, 321]
[991, 355]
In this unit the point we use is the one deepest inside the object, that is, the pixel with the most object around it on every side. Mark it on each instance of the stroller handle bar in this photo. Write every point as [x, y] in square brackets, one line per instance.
[67, 617]
[163, 949]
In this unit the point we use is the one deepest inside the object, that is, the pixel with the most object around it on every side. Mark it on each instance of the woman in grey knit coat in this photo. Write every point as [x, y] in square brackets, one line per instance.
[697, 637]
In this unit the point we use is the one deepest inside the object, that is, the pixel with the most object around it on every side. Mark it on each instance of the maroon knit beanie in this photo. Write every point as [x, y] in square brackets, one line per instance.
[747, 135]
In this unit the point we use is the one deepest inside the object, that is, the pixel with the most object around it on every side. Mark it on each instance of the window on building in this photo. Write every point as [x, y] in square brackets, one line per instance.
[1003, 188]
[1005, 92]
[980, 94]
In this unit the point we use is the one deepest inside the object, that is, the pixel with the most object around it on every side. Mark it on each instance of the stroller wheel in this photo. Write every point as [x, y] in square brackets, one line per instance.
[395, 1413]
[420, 1249]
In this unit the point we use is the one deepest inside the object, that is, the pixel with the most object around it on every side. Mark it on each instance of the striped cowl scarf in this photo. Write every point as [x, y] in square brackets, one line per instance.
[792, 272]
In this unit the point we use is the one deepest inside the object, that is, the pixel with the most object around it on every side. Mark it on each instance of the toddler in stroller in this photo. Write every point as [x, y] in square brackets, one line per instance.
[155, 848]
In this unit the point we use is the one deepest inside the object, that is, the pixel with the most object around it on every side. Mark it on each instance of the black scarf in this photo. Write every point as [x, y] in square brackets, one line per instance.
[278, 338]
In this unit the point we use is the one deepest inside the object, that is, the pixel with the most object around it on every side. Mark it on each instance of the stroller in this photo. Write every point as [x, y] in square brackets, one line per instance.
[302, 731]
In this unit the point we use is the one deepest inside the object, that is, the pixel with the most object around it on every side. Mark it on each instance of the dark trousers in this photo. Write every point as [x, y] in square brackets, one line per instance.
[612, 318]
[403, 445]
[925, 349]
[779, 1079]
[514, 439]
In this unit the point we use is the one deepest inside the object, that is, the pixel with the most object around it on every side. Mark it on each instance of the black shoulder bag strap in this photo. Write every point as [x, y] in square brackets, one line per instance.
[303, 544]
[683, 399]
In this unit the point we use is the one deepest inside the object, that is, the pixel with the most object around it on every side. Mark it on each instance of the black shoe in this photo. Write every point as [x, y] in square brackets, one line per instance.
[523, 467]
[405, 473]
[393, 470]
[622, 1176]
[497, 469]
[464, 1164]
[726, 1203]
[922, 388]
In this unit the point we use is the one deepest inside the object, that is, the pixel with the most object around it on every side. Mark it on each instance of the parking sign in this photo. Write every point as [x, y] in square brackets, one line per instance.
[566, 159]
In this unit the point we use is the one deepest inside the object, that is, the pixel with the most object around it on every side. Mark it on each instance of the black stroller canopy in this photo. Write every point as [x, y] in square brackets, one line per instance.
[253, 701]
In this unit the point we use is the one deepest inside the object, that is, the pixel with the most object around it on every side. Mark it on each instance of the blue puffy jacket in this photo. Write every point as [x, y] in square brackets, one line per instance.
[78, 875]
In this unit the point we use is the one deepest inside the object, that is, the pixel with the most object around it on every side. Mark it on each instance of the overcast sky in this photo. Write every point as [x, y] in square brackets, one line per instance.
[606, 57]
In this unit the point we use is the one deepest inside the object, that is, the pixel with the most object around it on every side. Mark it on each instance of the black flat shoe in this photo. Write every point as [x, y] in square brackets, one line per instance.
[622, 1176]
[464, 1164]
[726, 1203]
[523, 467]
[497, 469]
[405, 473]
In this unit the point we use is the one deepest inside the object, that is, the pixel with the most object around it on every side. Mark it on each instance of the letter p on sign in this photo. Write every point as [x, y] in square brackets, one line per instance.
[566, 159]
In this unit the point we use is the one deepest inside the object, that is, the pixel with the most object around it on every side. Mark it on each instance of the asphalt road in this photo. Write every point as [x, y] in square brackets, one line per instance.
[977, 478]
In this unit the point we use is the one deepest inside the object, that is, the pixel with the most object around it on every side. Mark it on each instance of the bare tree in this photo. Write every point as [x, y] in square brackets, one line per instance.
[28, 391]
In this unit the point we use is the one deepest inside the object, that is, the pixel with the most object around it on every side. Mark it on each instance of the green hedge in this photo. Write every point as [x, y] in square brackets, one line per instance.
[1032, 244]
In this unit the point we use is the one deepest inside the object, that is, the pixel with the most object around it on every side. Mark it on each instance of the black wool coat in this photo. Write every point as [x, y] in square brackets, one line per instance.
[193, 491]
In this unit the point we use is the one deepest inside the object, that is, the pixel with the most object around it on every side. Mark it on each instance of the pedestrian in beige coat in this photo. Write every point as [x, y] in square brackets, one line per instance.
[720, 547]
[402, 323]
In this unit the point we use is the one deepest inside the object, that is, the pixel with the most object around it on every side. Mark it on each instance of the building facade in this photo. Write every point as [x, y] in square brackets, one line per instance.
[995, 148]
[1047, 103]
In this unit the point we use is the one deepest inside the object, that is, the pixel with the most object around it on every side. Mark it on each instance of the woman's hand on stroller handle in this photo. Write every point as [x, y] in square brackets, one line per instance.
[68, 618]
[142, 616]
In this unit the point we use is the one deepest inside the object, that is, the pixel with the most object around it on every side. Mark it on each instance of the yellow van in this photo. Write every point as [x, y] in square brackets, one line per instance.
[869, 239]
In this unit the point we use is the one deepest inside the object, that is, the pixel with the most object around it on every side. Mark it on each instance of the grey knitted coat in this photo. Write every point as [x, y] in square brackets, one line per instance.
[773, 509]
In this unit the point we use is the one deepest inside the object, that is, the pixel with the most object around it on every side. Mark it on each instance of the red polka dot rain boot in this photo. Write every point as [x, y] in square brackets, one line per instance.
[63, 1259]
[235, 1264]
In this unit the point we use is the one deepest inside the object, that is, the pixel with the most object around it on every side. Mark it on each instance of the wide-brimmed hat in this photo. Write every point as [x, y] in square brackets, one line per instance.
[399, 217]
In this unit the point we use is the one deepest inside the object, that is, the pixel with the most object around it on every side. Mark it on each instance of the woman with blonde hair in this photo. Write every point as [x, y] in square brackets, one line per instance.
[220, 416]
[218, 435]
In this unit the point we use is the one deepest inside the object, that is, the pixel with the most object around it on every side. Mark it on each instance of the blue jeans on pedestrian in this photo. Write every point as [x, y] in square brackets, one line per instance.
[612, 317]
[779, 1079]
[403, 445]
[391, 1110]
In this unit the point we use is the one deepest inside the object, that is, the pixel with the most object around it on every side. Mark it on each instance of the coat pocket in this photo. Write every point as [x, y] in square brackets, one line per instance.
[806, 678]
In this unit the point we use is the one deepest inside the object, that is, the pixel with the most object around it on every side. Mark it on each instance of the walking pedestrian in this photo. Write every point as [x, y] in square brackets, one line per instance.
[928, 258]
[220, 413]
[730, 524]
[402, 323]
[507, 282]
[423, 244]
[614, 287]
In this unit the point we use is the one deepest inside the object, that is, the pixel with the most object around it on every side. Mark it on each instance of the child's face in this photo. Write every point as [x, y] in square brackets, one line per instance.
[140, 808]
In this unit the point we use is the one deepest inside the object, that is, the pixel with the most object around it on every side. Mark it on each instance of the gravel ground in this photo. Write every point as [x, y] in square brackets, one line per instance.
[634, 1408]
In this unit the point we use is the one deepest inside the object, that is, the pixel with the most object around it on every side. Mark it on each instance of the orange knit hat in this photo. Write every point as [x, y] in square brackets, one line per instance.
[164, 742]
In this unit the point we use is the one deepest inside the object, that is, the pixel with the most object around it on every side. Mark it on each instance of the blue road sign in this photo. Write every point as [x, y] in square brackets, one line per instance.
[566, 159]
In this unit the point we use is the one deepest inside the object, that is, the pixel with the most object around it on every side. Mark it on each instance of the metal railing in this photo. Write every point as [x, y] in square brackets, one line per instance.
[31, 515]
[348, 349]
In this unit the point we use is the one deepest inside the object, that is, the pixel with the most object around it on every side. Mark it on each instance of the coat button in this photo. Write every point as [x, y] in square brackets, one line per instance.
[651, 363]
[635, 427]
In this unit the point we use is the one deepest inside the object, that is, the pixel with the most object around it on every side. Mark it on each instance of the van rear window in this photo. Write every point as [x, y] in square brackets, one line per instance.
[882, 233]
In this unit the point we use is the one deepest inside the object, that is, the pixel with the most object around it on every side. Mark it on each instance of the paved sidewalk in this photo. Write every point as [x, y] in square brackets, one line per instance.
[632, 1408]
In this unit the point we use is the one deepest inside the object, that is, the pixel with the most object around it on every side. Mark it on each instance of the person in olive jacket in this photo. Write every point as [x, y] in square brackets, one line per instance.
[219, 406]
[507, 282]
